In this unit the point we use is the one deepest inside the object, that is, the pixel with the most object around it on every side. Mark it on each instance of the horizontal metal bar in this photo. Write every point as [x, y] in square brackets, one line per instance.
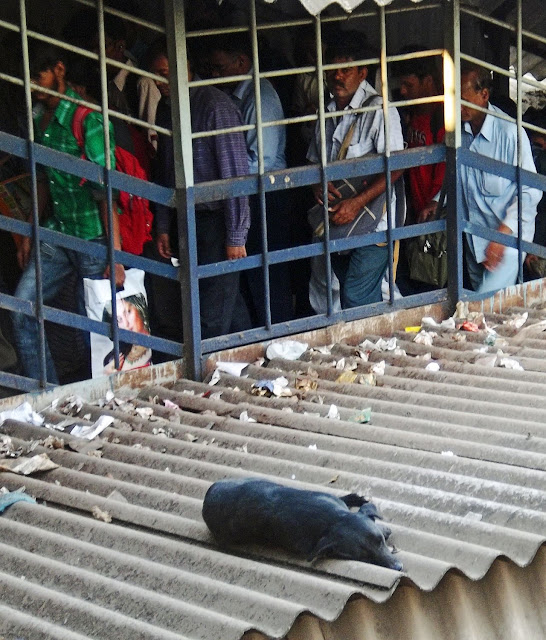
[76, 321]
[488, 65]
[126, 16]
[21, 383]
[311, 174]
[503, 238]
[504, 25]
[489, 165]
[85, 169]
[319, 321]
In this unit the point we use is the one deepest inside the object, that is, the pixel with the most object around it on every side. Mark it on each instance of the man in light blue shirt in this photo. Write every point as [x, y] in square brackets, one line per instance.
[231, 55]
[490, 200]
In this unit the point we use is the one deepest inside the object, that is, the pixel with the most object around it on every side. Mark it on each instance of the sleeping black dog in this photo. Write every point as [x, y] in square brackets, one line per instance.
[312, 524]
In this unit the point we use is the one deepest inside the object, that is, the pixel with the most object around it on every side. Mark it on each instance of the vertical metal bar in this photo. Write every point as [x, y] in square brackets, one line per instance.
[107, 173]
[260, 141]
[323, 163]
[34, 187]
[452, 117]
[184, 185]
[387, 153]
[519, 118]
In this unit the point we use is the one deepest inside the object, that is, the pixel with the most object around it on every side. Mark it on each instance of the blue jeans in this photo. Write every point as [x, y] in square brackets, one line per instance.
[360, 273]
[57, 263]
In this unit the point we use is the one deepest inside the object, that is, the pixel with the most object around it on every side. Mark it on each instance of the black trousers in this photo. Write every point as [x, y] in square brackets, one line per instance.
[218, 295]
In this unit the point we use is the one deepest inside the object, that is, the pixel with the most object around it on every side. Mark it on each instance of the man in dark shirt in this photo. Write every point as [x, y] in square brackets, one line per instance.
[221, 226]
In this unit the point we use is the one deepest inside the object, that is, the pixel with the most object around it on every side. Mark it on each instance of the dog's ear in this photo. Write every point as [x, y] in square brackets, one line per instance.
[325, 547]
[369, 509]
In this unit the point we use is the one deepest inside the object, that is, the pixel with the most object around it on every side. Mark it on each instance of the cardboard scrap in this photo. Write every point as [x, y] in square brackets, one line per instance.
[26, 466]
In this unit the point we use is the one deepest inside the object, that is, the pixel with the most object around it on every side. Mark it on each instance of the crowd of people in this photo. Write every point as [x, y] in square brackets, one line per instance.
[231, 229]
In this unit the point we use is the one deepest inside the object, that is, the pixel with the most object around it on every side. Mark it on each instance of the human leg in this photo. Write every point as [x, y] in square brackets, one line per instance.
[218, 295]
[56, 266]
[361, 283]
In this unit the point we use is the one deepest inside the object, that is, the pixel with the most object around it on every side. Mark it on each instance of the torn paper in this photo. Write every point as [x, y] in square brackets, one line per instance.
[22, 413]
[286, 349]
[92, 431]
[27, 466]
[232, 368]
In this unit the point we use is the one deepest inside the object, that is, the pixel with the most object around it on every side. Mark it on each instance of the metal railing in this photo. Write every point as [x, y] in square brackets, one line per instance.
[187, 194]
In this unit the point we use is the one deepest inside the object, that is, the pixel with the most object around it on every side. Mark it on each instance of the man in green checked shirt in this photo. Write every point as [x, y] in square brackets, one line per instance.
[75, 209]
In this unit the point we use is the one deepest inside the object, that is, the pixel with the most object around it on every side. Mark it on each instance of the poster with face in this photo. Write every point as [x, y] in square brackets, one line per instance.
[131, 315]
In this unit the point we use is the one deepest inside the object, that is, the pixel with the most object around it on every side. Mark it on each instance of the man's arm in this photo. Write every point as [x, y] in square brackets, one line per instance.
[347, 210]
[119, 269]
[232, 161]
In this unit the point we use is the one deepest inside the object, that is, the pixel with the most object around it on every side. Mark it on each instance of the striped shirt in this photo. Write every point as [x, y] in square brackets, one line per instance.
[75, 211]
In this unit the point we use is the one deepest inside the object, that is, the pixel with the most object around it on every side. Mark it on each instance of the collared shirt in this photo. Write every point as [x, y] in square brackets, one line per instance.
[75, 211]
[274, 137]
[368, 137]
[490, 200]
[214, 158]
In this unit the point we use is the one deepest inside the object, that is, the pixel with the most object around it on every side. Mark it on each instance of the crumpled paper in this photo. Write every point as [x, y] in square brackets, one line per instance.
[277, 387]
[233, 368]
[425, 337]
[22, 413]
[88, 432]
[286, 349]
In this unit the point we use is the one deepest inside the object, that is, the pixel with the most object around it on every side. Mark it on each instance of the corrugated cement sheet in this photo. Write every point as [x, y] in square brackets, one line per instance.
[455, 459]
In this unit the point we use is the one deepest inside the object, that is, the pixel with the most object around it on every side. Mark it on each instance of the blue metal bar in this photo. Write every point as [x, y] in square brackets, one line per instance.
[520, 133]
[452, 116]
[106, 173]
[39, 309]
[70, 319]
[261, 167]
[319, 321]
[89, 170]
[184, 181]
[324, 178]
[387, 128]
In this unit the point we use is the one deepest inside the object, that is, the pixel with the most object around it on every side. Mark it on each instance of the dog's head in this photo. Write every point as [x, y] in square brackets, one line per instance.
[357, 537]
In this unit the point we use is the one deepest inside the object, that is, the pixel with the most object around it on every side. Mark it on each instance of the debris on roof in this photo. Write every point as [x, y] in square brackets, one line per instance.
[454, 457]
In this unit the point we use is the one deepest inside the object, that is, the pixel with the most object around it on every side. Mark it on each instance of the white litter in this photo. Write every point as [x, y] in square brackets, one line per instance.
[215, 378]
[233, 368]
[286, 349]
[425, 337]
[449, 454]
[170, 404]
[244, 417]
[517, 321]
[109, 396]
[379, 368]
[313, 446]
[144, 412]
[340, 364]
[326, 351]
[22, 413]
[92, 431]
[486, 361]
[473, 516]
[432, 366]
[445, 325]
[510, 363]
[386, 345]
[333, 412]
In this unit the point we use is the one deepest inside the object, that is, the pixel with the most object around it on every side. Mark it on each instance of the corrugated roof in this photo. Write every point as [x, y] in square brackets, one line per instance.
[454, 459]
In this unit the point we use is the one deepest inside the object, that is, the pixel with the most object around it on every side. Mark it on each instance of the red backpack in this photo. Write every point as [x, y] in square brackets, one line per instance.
[135, 220]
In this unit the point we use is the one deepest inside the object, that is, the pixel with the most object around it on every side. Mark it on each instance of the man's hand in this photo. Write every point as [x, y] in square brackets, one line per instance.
[23, 251]
[495, 251]
[119, 274]
[429, 211]
[163, 245]
[344, 211]
[234, 253]
[333, 193]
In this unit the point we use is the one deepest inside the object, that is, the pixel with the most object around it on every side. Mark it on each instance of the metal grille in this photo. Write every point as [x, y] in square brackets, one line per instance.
[186, 194]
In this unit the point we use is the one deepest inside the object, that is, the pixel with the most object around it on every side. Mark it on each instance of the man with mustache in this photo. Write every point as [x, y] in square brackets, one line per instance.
[361, 270]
